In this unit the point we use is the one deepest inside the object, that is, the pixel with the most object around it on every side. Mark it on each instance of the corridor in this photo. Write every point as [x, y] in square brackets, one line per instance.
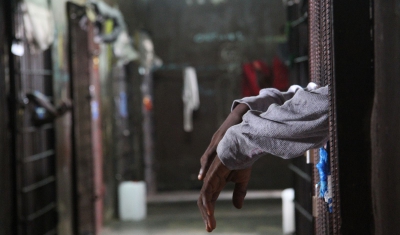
[257, 217]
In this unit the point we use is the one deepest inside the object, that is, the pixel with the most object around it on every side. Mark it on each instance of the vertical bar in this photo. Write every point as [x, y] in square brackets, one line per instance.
[6, 209]
[351, 94]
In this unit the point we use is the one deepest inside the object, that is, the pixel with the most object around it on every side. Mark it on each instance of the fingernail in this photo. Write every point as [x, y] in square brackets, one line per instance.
[199, 177]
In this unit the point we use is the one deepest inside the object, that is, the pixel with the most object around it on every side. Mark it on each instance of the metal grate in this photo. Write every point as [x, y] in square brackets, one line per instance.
[34, 150]
[321, 72]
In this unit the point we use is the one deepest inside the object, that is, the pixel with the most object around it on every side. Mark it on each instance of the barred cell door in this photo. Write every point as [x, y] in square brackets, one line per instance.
[33, 140]
[341, 56]
[87, 151]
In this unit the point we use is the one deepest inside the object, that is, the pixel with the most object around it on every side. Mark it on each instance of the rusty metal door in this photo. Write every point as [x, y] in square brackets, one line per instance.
[341, 56]
[85, 90]
[33, 145]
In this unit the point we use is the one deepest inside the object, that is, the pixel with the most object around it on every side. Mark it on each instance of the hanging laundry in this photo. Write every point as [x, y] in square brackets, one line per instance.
[190, 97]
[99, 12]
[124, 50]
[38, 24]
[148, 58]
[281, 74]
[256, 75]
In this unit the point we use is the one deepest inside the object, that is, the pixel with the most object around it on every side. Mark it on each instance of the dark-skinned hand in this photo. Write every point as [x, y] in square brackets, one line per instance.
[234, 118]
[217, 177]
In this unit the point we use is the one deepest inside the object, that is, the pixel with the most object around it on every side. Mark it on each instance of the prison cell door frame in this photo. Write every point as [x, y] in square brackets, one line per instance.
[341, 56]
[33, 151]
[87, 151]
[6, 212]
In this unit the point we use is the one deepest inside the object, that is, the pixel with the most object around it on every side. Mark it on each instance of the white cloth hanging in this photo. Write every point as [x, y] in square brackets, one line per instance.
[124, 50]
[190, 97]
[38, 24]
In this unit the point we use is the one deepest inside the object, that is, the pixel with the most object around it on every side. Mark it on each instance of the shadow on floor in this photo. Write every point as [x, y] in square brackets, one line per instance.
[257, 217]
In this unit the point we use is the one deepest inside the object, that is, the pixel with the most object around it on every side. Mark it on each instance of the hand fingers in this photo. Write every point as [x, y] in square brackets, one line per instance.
[206, 206]
[203, 213]
[213, 184]
[241, 179]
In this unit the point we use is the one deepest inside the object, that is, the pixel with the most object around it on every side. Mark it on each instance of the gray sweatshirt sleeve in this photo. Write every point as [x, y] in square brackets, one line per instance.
[282, 127]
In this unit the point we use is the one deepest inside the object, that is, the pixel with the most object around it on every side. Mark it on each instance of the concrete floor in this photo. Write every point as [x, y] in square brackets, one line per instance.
[257, 217]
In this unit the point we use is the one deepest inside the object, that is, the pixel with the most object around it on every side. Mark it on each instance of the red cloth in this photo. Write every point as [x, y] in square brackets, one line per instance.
[250, 85]
[281, 74]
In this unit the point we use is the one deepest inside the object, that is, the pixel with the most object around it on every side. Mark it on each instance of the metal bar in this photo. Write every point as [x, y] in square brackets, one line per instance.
[39, 156]
[299, 20]
[303, 211]
[301, 59]
[33, 129]
[41, 212]
[300, 173]
[39, 184]
[43, 72]
[51, 232]
[204, 67]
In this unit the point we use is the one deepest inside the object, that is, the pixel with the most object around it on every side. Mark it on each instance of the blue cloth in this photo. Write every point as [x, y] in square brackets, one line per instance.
[324, 170]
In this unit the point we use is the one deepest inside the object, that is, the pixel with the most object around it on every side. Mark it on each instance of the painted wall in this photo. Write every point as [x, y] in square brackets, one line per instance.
[208, 34]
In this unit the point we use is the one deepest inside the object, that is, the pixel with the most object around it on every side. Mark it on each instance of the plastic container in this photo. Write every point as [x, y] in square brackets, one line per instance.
[132, 200]
[288, 219]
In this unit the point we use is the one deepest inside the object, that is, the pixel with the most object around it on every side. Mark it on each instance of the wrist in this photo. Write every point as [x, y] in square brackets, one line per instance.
[240, 109]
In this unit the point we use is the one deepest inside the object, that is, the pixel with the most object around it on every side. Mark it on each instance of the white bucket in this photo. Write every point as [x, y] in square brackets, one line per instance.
[288, 219]
[132, 201]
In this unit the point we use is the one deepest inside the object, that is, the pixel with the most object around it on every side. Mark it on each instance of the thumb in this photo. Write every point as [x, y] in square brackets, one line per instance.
[239, 194]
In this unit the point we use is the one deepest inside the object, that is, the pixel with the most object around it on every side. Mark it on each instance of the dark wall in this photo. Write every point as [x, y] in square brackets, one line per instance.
[194, 33]
[216, 39]
[385, 126]
[197, 33]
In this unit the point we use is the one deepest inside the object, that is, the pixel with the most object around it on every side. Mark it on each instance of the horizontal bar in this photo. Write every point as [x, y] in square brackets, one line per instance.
[303, 211]
[51, 232]
[299, 20]
[39, 156]
[43, 72]
[39, 184]
[300, 173]
[190, 196]
[301, 59]
[41, 212]
[199, 68]
[33, 129]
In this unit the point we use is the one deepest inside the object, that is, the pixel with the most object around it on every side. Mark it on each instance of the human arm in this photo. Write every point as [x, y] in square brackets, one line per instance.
[261, 103]
[234, 118]
[286, 130]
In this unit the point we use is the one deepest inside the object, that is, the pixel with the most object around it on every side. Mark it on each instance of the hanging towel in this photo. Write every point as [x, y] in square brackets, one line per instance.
[256, 75]
[281, 74]
[190, 97]
[38, 24]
